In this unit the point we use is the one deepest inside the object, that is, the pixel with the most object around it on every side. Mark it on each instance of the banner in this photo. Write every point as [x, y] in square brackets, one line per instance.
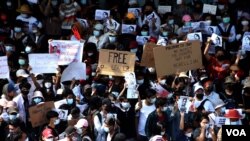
[127, 28]
[177, 57]
[147, 59]
[43, 63]
[162, 9]
[4, 68]
[76, 70]
[38, 113]
[102, 14]
[112, 62]
[67, 51]
[211, 9]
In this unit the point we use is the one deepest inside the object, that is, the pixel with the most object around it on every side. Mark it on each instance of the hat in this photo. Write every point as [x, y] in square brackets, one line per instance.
[186, 18]
[229, 79]
[183, 74]
[130, 15]
[11, 88]
[233, 113]
[11, 104]
[69, 130]
[156, 138]
[12, 110]
[133, 44]
[38, 94]
[81, 123]
[98, 26]
[21, 73]
[234, 67]
[3, 102]
[24, 9]
[220, 104]
[47, 133]
[197, 87]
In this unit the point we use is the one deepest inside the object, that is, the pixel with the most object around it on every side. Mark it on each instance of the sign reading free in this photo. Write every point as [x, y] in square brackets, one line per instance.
[112, 62]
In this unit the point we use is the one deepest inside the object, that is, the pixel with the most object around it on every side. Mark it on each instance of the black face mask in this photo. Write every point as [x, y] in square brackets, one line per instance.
[199, 96]
[221, 57]
[24, 92]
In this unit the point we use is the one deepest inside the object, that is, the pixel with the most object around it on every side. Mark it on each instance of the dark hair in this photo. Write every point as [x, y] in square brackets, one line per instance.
[25, 85]
[95, 102]
[66, 92]
[106, 101]
[149, 93]
[75, 111]
[120, 137]
[160, 102]
[51, 114]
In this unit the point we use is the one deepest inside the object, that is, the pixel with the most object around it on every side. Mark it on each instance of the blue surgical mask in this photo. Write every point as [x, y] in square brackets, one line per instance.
[144, 33]
[37, 100]
[70, 101]
[165, 33]
[12, 117]
[171, 22]
[66, 1]
[133, 50]
[21, 61]
[112, 39]
[8, 48]
[226, 20]
[83, 2]
[187, 24]
[96, 33]
[17, 29]
[57, 121]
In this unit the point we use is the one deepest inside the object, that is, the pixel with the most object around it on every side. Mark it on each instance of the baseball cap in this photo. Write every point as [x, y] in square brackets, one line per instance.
[81, 123]
[21, 73]
[186, 18]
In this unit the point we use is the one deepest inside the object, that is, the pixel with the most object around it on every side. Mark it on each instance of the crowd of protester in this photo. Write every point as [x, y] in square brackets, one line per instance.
[222, 84]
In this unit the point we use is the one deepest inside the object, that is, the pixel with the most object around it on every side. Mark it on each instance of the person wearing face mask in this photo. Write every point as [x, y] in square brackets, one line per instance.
[98, 37]
[53, 122]
[23, 61]
[16, 132]
[23, 101]
[228, 32]
[26, 18]
[186, 28]
[37, 98]
[90, 56]
[219, 112]
[144, 108]
[233, 117]
[82, 127]
[126, 116]
[158, 116]
[170, 23]
[186, 129]
[204, 132]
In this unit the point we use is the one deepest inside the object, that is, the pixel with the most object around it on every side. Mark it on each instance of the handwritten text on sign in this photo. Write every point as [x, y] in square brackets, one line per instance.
[113, 62]
[182, 57]
[4, 68]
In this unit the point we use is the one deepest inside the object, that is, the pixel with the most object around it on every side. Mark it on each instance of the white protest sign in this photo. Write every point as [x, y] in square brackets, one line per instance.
[101, 14]
[67, 51]
[33, 1]
[4, 68]
[84, 22]
[128, 28]
[195, 25]
[76, 70]
[194, 36]
[162, 9]
[246, 43]
[136, 11]
[43, 63]
[112, 24]
[211, 9]
[141, 40]
[62, 114]
[151, 16]
[161, 92]
[216, 39]
[163, 41]
[131, 85]
[59, 103]
[184, 104]
[219, 121]
[210, 29]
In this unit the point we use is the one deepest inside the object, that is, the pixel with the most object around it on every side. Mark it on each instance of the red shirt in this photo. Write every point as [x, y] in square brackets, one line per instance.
[218, 70]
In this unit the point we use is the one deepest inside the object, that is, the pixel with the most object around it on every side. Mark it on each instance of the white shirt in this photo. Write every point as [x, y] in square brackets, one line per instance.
[144, 112]
[208, 106]
[213, 97]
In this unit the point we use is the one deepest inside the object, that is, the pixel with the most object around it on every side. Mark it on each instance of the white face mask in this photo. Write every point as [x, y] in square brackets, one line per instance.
[93, 74]
[140, 81]
[133, 50]
[152, 100]
[164, 109]
[244, 23]
[24, 15]
[79, 131]
[162, 133]
[8, 3]
[47, 84]
[28, 49]
[90, 53]
[188, 134]
[174, 41]
[125, 105]
[178, 2]
[208, 22]
[50, 139]
[163, 81]
[234, 123]
[221, 7]
[106, 129]
[57, 121]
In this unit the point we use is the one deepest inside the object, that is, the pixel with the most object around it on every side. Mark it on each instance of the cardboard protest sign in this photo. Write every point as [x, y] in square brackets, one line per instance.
[76, 70]
[219, 121]
[216, 39]
[112, 62]
[211, 9]
[38, 113]
[84, 22]
[147, 59]
[182, 57]
[126, 28]
[246, 43]
[135, 11]
[67, 51]
[4, 68]
[141, 40]
[101, 14]
[162, 9]
[131, 85]
[184, 103]
[194, 36]
[43, 63]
